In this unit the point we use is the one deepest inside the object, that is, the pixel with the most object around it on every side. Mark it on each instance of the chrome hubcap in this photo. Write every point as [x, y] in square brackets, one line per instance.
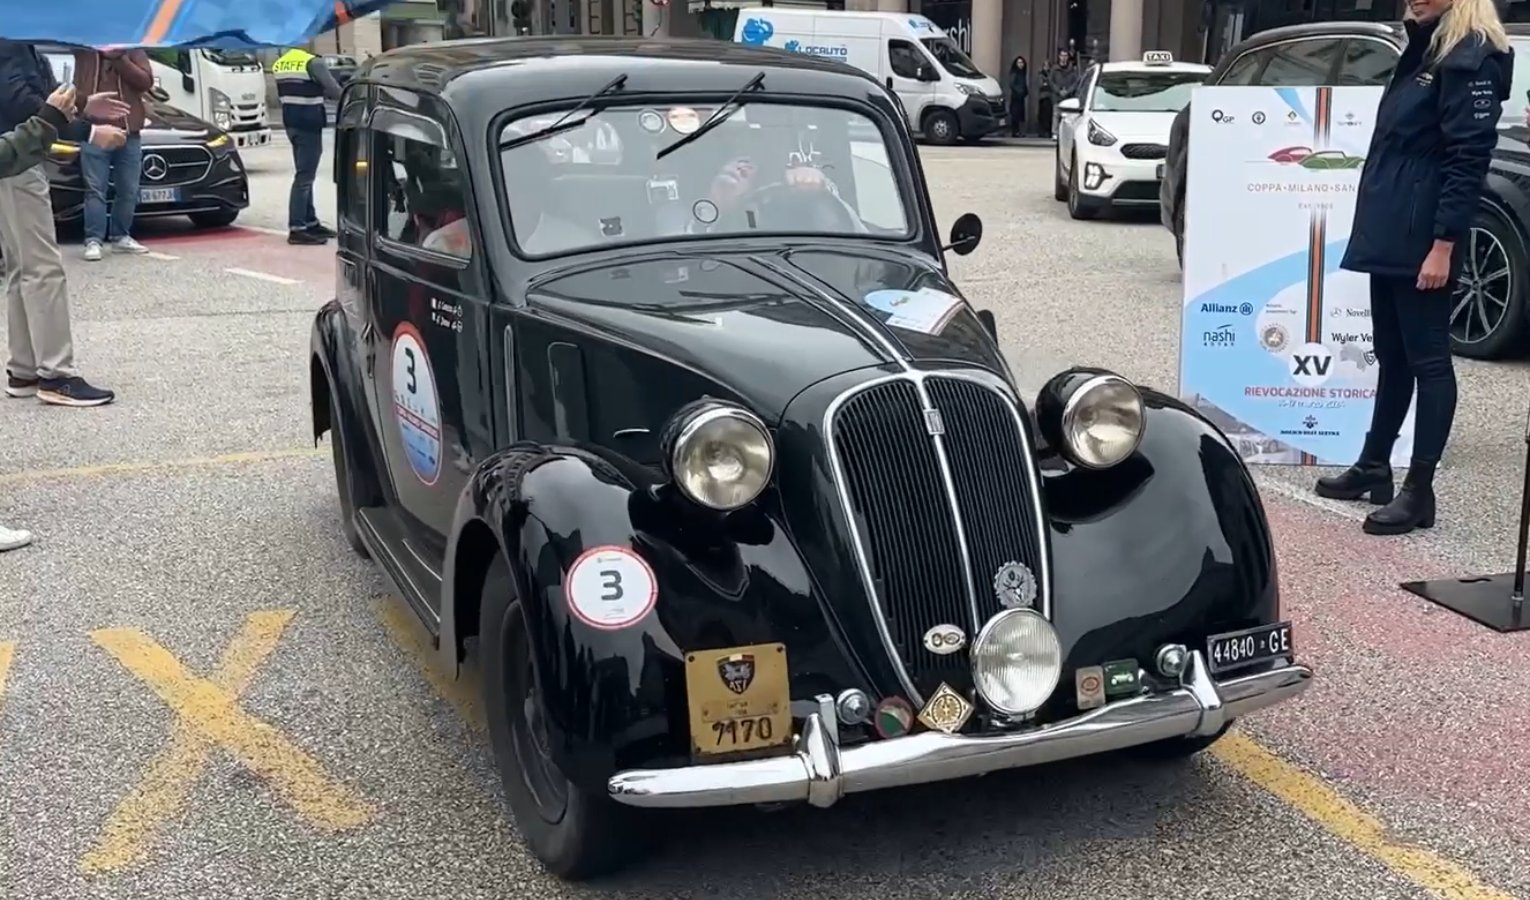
[1481, 298]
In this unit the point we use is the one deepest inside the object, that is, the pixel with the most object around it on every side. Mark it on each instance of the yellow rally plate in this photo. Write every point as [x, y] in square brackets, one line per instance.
[740, 699]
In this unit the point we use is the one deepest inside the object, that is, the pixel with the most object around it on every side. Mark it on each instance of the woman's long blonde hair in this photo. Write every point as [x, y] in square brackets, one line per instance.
[1466, 17]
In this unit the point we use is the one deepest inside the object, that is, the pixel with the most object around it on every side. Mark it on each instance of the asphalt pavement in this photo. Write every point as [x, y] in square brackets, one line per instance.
[203, 693]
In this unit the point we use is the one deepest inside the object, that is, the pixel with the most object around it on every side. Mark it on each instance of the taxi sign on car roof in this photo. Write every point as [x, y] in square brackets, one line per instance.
[1157, 58]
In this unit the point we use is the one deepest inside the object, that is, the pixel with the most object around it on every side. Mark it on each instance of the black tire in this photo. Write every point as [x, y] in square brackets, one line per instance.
[575, 834]
[941, 127]
[1488, 308]
[1177, 748]
[1079, 207]
[1059, 186]
[339, 454]
[219, 219]
[1179, 231]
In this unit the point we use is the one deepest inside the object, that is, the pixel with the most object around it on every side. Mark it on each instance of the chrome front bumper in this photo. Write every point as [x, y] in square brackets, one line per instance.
[821, 773]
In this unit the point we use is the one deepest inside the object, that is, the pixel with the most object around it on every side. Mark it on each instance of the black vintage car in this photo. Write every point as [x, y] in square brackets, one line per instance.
[189, 168]
[647, 382]
[1491, 316]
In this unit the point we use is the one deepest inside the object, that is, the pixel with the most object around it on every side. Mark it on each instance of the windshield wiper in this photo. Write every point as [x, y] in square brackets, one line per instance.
[729, 107]
[563, 123]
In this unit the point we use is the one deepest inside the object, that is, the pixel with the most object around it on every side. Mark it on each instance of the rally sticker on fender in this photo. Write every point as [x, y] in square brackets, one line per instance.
[610, 587]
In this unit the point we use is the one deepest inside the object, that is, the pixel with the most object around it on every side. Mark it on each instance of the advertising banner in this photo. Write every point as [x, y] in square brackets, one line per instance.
[1276, 341]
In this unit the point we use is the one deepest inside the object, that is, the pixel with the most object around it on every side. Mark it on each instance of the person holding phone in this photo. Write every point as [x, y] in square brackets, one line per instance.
[127, 74]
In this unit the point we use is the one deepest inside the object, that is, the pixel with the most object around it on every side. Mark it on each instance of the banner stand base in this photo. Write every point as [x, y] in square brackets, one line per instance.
[1485, 599]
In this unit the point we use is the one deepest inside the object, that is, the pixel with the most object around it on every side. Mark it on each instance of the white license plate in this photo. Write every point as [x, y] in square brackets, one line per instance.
[157, 195]
[254, 140]
[1160, 171]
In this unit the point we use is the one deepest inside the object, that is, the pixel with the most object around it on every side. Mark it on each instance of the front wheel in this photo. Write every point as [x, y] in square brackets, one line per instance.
[1059, 186]
[342, 463]
[1487, 311]
[941, 127]
[575, 834]
[1179, 231]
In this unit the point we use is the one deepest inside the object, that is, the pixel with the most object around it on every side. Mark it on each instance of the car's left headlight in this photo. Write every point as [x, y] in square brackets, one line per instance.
[720, 455]
[1099, 136]
[1095, 418]
[969, 90]
[1016, 662]
[222, 109]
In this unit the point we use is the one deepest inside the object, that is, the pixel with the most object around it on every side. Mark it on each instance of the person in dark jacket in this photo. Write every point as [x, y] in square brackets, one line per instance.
[1019, 91]
[1420, 187]
[41, 361]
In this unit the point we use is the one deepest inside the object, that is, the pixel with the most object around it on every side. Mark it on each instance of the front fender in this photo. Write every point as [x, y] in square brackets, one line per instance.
[338, 400]
[616, 699]
[1171, 545]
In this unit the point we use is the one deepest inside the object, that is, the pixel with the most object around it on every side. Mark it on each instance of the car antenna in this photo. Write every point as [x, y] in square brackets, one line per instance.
[729, 107]
[563, 123]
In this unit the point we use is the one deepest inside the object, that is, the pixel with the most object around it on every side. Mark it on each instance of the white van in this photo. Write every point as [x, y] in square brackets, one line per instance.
[943, 93]
[224, 87]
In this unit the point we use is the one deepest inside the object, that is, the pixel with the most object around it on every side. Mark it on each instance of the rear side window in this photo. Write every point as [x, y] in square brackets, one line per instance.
[1244, 68]
[1367, 63]
[1301, 63]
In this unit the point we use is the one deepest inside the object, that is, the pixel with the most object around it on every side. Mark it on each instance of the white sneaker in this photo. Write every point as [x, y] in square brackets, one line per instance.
[13, 538]
[93, 250]
[128, 245]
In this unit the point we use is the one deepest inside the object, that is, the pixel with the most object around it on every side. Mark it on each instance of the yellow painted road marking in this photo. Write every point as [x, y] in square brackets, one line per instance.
[1321, 803]
[7, 655]
[209, 715]
[129, 468]
[407, 632]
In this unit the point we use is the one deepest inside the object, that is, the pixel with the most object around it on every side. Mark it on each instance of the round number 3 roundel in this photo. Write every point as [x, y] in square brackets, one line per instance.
[610, 587]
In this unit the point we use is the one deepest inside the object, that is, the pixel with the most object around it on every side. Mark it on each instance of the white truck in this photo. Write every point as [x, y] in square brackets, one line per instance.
[224, 87]
[943, 94]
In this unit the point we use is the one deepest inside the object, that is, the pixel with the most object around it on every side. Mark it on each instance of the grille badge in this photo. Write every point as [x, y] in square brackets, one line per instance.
[944, 639]
[1015, 586]
[933, 423]
[154, 167]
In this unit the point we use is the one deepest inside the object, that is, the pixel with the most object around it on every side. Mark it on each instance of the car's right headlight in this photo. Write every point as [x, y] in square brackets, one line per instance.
[719, 454]
[1093, 417]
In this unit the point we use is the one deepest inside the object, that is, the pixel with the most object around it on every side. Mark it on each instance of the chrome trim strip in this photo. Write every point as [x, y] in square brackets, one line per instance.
[512, 401]
[821, 773]
[1032, 477]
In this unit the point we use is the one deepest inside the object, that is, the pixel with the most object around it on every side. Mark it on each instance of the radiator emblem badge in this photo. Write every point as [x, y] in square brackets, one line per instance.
[946, 711]
[1015, 586]
[944, 639]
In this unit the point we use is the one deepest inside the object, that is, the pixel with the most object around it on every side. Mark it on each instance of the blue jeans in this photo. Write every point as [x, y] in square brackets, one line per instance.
[307, 149]
[115, 172]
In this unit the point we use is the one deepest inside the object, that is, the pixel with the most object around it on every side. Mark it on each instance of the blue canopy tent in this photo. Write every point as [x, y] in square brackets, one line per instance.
[219, 24]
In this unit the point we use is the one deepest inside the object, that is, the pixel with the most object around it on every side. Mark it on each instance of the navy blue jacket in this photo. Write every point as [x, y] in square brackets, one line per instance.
[26, 80]
[1435, 133]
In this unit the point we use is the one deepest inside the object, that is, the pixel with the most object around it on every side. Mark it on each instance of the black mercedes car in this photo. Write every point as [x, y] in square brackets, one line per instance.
[1491, 316]
[190, 168]
[648, 386]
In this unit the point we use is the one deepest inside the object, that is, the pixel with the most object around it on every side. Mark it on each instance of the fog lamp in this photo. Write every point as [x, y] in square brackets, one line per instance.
[720, 455]
[1016, 662]
[1094, 176]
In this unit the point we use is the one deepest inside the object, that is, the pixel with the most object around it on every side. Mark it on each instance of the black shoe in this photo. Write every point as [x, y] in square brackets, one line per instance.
[20, 387]
[72, 391]
[1413, 508]
[318, 228]
[1372, 474]
[306, 237]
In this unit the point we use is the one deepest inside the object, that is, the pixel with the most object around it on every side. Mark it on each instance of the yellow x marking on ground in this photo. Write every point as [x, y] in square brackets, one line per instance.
[208, 715]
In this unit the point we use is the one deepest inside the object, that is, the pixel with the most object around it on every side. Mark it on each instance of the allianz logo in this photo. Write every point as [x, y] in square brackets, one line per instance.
[1241, 309]
[814, 50]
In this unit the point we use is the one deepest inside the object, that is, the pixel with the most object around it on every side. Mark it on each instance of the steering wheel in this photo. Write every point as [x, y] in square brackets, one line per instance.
[790, 207]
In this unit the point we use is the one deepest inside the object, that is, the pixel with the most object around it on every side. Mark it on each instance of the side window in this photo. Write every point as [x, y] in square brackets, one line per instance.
[1301, 63]
[904, 58]
[170, 58]
[352, 152]
[1245, 68]
[418, 189]
[1367, 63]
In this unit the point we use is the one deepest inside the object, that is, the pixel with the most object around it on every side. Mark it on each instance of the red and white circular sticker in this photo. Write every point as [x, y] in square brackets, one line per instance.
[610, 587]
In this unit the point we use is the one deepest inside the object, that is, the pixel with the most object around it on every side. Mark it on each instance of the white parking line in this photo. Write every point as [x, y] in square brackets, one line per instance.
[274, 279]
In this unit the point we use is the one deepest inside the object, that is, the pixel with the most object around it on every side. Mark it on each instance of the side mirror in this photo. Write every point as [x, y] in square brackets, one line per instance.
[989, 324]
[188, 84]
[927, 73]
[966, 234]
[1070, 105]
[160, 94]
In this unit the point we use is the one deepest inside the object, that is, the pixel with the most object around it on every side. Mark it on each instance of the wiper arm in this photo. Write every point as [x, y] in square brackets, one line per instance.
[729, 107]
[563, 123]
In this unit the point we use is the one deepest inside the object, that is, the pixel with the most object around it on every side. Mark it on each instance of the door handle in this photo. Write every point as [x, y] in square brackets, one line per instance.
[366, 341]
[889, 82]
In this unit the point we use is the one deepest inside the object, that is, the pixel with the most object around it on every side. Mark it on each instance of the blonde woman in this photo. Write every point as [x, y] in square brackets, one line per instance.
[1419, 190]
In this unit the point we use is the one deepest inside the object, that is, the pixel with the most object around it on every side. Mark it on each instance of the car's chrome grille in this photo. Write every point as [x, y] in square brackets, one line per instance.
[1144, 151]
[174, 165]
[938, 479]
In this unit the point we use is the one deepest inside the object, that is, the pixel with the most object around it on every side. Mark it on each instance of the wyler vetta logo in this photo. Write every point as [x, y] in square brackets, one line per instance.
[1228, 309]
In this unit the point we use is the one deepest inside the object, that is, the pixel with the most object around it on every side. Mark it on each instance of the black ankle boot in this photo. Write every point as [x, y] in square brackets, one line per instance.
[1372, 474]
[1413, 508]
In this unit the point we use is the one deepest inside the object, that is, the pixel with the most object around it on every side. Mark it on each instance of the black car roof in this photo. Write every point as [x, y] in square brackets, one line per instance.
[510, 71]
[1354, 28]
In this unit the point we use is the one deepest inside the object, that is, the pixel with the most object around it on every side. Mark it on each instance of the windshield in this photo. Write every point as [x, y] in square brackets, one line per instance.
[770, 168]
[951, 56]
[1144, 91]
[231, 58]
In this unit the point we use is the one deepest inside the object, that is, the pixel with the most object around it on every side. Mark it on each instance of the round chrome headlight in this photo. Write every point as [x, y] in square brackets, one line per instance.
[1101, 419]
[720, 455]
[1016, 662]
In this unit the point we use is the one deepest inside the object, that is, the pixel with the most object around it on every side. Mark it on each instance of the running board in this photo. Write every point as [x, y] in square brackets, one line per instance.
[388, 543]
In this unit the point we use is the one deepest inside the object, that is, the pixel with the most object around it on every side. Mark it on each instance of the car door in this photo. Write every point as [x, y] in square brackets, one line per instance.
[909, 77]
[428, 317]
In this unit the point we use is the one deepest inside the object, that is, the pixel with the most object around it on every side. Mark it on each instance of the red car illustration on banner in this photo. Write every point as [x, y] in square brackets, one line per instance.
[1291, 154]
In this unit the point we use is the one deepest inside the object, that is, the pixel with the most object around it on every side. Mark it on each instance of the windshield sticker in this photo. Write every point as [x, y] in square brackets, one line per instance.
[610, 588]
[416, 405]
[684, 119]
[650, 121]
[705, 211]
[926, 310]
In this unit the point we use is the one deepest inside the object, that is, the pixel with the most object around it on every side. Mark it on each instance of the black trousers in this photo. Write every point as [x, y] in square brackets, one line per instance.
[1044, 117]
[1410, 331]
[1016, 116]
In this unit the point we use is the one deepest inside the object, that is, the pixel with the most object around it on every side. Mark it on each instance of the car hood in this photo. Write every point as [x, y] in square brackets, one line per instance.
[1136, 126]
[165, 124]
[767, 325]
